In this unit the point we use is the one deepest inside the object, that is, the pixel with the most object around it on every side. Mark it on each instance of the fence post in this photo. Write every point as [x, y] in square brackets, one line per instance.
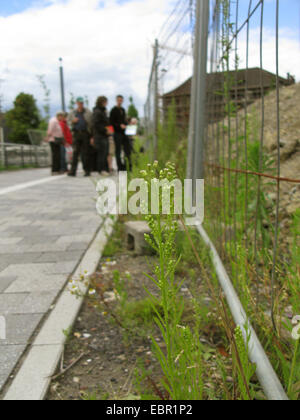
[156, 99]
[36, 151]
[195, 168]
[2, 148]
[191, 138]
[22, 157]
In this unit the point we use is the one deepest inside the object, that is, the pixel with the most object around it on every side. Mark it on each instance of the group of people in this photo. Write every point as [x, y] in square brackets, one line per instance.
[95, 137]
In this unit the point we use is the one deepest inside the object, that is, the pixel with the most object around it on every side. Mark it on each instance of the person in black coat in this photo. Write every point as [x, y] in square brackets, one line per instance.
[118, 120]
[101, 134]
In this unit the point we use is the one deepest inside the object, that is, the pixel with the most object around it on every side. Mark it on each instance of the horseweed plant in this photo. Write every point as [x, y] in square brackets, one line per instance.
[182, 362]
[248, 368]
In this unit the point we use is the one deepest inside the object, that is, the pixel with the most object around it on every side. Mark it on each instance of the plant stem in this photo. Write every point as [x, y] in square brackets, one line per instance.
[293, 367]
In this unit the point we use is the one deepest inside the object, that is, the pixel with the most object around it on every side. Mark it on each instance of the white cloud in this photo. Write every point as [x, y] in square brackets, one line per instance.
[289, 51]
[106, 49]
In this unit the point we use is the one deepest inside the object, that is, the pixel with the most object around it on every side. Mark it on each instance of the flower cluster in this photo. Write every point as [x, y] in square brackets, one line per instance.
[75, 285]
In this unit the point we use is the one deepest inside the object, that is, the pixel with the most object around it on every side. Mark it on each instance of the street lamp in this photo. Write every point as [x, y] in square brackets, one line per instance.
[62, 85]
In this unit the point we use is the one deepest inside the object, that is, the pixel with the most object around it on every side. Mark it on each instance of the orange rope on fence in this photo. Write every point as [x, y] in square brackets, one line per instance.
[242, 171]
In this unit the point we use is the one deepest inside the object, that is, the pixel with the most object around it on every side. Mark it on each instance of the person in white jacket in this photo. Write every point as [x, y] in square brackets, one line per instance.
[56, 139]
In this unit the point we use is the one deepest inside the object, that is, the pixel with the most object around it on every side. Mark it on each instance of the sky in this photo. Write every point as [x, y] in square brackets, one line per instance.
[289, 35]
[107, 45]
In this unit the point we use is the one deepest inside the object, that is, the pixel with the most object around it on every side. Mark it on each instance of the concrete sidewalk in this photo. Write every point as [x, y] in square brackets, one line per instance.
[45, 230]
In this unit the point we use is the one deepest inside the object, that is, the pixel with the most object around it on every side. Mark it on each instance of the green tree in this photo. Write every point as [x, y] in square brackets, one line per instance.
[22, 117]
[132, 111]
[72, 102]
[86, 101]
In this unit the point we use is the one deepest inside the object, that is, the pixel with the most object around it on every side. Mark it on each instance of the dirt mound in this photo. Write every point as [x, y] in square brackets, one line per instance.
[289, 142]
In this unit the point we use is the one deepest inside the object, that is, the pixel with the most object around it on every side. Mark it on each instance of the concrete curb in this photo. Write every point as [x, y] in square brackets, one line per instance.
[32, 381]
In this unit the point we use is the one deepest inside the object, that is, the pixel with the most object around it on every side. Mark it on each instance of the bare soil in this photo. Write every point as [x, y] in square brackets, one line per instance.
[108, 366]
[103, 360]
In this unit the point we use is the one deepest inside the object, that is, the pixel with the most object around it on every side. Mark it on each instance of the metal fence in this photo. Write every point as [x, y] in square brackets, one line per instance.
[252, 178]
[23, 155]
[37, 137]
[235, 144]
[151, 107]
[243, 155]
[172, 65]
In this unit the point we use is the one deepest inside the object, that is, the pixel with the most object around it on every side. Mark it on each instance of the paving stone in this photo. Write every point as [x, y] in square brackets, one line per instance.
[9, 302]
[49, 257]
[26, 257]
[32, 270]
[43, 283]
[5, 282]
[38, 270]
[10, 241]
[14, 249]
[71, 239]
[19, 328]
[3, 265]
[38, 239]
[9, 356]
[22, 230]
[26, 303]
[48, 247]
[77, 246]
[64, 267]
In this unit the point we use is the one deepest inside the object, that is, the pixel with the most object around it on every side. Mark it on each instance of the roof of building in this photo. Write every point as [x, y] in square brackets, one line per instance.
[253, 80]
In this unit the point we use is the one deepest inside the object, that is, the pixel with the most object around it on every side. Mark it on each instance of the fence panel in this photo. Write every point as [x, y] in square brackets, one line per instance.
[23, 156]
[172, 66]
[247, 177]
[244, 140]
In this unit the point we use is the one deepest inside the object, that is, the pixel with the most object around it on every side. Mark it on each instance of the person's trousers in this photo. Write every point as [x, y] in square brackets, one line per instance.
[122, 142]
[63, 160]
[81, 148]
[102, 147]
[56, 156]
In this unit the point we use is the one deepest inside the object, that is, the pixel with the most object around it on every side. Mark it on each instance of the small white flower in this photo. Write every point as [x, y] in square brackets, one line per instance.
[73, 286]
[85, 276]
[104, 269]
[111, 263]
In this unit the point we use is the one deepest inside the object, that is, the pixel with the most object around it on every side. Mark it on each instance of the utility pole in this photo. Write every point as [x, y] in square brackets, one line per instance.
[156, 98]
[62, 85]
[195, 169]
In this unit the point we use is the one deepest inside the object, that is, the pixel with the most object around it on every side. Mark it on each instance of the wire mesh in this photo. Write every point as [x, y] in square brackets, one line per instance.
[150, 110]
[172, 67]
[249, 183]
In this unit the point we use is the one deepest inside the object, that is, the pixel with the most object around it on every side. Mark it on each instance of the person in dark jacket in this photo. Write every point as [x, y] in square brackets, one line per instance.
[118, 120]
[101, 134]
[80, 120]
